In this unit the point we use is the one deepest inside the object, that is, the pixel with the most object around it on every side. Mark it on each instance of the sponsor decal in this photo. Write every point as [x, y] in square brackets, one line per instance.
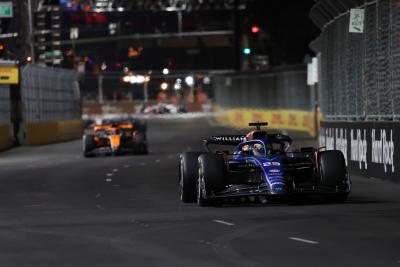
[330, 139]
[359, 147]
[266, 164]
[341, 141]
[383, 149]
[292, 119]
[274, 171]
[256, 116]
[368, 147]
[239, 118]
[229, 138]
[277, 119]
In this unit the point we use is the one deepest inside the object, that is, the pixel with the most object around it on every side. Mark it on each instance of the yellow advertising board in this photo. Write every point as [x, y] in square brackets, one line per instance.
[9, 75]
[303, 121]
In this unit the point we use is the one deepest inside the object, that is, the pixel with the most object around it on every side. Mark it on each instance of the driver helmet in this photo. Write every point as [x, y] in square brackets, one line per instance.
[258, 150]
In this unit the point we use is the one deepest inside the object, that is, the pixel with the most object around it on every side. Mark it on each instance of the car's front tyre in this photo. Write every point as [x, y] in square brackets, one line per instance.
[188, 168]
[88, 145]
[212, 174]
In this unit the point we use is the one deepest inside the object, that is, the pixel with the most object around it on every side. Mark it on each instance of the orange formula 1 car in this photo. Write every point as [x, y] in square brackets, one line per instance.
[115, 138]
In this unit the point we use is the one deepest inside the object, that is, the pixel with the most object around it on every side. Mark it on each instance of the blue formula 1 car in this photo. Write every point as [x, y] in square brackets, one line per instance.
[261, 167]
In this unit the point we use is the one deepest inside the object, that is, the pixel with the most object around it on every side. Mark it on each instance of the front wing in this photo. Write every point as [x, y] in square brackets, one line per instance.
[232, 191]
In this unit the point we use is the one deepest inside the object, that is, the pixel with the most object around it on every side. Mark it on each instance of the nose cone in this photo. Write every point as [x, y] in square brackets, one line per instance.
[115, 141]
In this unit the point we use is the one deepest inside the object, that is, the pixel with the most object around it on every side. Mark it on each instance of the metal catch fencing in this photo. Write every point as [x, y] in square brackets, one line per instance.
[279, 89]
[359, 72]
[49, 94]
[5, 104]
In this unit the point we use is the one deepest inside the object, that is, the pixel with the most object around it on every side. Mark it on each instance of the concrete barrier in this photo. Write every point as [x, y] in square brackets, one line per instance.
[6, 140]
[371, 148]
[296, 120]
[42, 133]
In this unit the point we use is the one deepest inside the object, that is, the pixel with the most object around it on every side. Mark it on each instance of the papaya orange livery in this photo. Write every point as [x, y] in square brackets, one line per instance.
[114, 138]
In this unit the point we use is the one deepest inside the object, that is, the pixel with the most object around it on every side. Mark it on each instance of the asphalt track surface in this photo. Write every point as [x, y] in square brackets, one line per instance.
[59, 209]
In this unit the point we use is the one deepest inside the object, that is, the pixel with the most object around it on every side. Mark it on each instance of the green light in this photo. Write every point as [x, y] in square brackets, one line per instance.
[247, 51]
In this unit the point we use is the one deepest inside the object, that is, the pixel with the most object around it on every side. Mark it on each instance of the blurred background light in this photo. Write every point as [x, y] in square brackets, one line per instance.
[189, 80]
[164, 86]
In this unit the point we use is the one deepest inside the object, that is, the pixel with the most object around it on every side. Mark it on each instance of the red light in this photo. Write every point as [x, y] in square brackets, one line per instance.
[100, 18]
[255, 29]
[87, 8]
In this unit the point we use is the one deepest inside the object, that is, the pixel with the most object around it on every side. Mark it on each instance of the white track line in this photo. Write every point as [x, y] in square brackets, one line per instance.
[32, 206]
[224, 222]
[304, 240]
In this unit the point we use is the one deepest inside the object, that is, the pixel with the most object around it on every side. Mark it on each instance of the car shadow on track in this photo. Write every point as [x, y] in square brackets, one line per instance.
[302, 202]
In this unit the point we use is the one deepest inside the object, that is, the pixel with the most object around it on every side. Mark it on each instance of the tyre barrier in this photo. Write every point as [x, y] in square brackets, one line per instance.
[6, 139]
[42, 133]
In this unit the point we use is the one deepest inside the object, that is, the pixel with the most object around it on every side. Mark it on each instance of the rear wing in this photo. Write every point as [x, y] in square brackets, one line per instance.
[108, 126]
[258, 125]
[227, 140]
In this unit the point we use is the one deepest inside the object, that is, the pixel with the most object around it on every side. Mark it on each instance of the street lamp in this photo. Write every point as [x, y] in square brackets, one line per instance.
[164, 86]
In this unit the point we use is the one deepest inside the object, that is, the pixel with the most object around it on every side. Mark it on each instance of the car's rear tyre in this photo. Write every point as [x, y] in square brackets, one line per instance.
[333, 168]
[188, 172]
[211, 178]
[334, 174]
[88, 145]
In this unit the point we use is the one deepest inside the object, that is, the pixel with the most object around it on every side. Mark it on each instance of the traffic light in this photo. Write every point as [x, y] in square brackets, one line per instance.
[246, 51]
[255, 29]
